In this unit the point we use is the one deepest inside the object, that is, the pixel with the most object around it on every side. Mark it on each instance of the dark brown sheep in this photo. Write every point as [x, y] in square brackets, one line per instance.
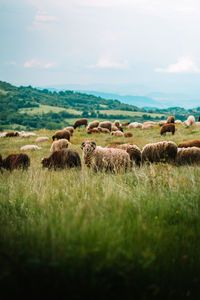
[167, 128]
[128, 134]
[81, 122]
[67, 158]
[171, 119]
[16, 161]
[199, 119]
[193, 143]
[93, 130]
[61, 134]
[12, 134]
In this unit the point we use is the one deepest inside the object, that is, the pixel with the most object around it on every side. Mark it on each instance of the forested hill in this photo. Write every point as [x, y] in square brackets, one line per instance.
[31, 108]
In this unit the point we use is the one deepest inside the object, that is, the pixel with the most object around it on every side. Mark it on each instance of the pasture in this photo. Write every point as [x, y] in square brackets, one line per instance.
[131, 235]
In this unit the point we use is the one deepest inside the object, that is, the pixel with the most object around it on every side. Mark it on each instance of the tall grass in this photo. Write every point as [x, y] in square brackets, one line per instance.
[95, 236]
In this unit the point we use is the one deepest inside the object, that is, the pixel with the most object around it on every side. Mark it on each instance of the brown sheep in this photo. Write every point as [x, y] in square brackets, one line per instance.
[61, 134]
[168, 128]
[93, 130]
[161, 151]
[70, 129]
[133, 151]
[128, 134]
[188, 156]
[12, 134]
[199, 119]
[81, 122]
[16, 161]
[193, 143]
[171, 119]
[1, 162]
[67, 158]
[125, 124]
[103, 130]
[106, 124]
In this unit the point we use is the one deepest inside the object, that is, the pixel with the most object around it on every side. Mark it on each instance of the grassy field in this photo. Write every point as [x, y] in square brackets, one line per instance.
[131, 113]
[46, 109]
[132, 235]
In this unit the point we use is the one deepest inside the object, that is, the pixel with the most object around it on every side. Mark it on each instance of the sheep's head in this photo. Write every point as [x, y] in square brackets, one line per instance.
[45, 162]
[88, 146]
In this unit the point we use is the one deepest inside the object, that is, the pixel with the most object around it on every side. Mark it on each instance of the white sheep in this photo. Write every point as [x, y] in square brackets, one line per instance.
[30, 147]
[117, 133]
[59, 145]
[41, 139]
[135, 125]
[162, 151]
[190, 121]
[99, 158]
[26, 134]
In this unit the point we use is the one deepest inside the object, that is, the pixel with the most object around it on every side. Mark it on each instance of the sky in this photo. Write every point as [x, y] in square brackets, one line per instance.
[123, 46]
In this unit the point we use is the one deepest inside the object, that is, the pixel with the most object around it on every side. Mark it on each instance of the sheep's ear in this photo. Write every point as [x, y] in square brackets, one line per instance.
[82, 145]
[93, 143]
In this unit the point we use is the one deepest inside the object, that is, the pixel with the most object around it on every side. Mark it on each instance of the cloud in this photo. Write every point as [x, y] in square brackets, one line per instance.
[34, 63]
[105, 63]
[44, 17]
[183, 65]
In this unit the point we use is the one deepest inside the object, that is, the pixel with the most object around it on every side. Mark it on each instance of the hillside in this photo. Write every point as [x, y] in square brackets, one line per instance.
[31, 108]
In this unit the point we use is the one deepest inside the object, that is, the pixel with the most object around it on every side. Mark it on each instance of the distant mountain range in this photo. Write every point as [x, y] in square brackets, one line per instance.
[142, 97]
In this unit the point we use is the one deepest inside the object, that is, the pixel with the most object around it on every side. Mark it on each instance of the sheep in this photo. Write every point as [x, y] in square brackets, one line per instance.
[125, 124]
[93, 124]
[192, 143]
[98, 158]
[133, 151]
[178, 122]
[190, 121]
[188, 156]
[70, 129]
[12, 134]
[30, 147]
[170, 120]
[117, 133]
[16, 161]
[156, 152]
[149, 122]
[114, 128]
[106, 124]
[198, 124]
[59, 145]
[168, 128]
[26, 134]
[93, 130]
[61, 134]
[80, 122]
[117, 124]
[135, 125]
[103, 130]
[66, 158]
[41, 139]
[161, 123]
[128, 134]
[147, 126]
[199, 119]
[3, 134]
[1, 162]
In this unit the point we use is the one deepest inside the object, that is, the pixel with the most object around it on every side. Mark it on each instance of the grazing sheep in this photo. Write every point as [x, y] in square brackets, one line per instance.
[170, 120]
[66, 158]
[168, 128]
[12, 134]
[147, 126]
[16, 161]
[59, 145]
[99, 158]
[93, 130]
[133, 151]
[80, 122]
[188, 156]
[193, 143]
[135, 125]
[178, 122]
[149, 122]
[42, 139]
[30, 147]
[106, 124]
[117, 133]
[128, 134]
[93, 124]
[190, 121]
[114, 128]
[125, 124]
[3, 134]
[198, 124]
[117, 124]
[70, 129]
[156, 152]
[103, 130]
[26, 134]
[61, 134]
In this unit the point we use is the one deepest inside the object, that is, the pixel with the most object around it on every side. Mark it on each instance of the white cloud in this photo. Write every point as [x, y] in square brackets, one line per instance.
[44, 17]
[106, 63]
[183, 65]
[34, 63]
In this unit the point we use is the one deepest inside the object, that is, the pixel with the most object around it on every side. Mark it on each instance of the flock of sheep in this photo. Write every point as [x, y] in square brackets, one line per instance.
[113, 157]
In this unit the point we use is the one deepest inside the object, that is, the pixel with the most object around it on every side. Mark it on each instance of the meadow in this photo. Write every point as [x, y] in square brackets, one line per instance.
[131, 235]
